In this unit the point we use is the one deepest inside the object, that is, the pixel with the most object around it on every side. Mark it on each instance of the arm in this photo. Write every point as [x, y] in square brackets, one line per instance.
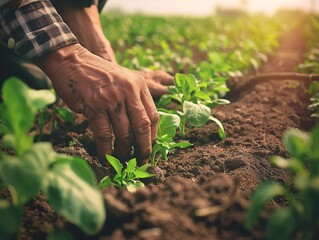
[85, 24]
[114, 99]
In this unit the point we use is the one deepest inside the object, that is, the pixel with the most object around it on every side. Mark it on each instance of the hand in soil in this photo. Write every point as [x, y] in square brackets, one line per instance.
[114, 99]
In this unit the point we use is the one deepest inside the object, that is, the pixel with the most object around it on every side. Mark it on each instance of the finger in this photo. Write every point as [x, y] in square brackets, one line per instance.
[123, 132]
[100, 126]
[141, 126]
[163, 77]
[151, 111]
[156, 89]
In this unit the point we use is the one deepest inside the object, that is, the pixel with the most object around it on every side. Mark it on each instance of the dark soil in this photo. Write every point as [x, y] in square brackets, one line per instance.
[211, 173]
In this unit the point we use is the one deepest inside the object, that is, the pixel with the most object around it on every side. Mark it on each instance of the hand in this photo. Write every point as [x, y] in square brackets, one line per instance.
[114, 100]
[85, 24]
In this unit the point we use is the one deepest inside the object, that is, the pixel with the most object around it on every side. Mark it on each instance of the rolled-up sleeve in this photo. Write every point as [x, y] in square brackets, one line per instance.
[34, 30]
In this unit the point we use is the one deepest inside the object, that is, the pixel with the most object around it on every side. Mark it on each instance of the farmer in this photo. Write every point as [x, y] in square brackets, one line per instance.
[81, 65]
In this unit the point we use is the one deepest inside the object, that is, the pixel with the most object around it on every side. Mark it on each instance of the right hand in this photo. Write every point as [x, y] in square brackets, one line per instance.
[114, 100]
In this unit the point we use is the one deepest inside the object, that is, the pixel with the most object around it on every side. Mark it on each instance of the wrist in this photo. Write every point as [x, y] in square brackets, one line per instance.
[56, 62]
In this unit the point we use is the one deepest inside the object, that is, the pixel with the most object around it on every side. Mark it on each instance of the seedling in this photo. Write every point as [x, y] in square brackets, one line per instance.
[68, 182]
[195, 103]
[125, 178]
[314, 106]
[46, 116]
[300, 216]
[164, 143]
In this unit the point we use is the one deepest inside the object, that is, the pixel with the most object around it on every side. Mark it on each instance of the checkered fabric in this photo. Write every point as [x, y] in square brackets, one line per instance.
[34, 30]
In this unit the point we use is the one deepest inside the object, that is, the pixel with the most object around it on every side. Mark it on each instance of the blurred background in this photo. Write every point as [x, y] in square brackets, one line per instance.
[208, 7]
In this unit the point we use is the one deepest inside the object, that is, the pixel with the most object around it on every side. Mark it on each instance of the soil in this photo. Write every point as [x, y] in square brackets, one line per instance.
[212, 173]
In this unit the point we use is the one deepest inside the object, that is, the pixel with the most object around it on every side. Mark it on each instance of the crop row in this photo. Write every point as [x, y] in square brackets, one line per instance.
[225, 47]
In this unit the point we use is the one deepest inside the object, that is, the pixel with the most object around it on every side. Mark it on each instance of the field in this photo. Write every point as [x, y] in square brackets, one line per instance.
[203, 191]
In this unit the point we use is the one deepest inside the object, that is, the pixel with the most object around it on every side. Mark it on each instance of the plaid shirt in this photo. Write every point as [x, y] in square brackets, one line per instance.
[34, 29]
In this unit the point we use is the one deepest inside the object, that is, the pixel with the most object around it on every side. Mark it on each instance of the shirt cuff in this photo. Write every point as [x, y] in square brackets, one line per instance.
[34, 30]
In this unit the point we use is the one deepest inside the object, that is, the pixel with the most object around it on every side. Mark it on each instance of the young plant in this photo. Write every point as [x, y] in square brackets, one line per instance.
[314, 106]
[164, 139]
[68, 182]
[50, 116]
[195, 104]
[300, 216]
[125, 178]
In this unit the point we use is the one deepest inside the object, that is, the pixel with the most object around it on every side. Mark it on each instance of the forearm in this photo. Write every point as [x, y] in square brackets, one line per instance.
[34, 29]
[85, 24]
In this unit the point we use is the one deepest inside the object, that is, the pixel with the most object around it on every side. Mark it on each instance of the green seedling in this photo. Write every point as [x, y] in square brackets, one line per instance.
[300, 216]
[125, 178]
[68, 182]
[50, 116]
[314, 106]
[166, 131]
[195, 103]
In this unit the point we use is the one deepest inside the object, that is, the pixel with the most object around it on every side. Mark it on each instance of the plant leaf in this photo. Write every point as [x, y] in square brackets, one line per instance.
[221, 130]
[134, 185]
[168, 125]
[296, 142]
[60, 235]
[182, 144]
[196, 114]
[66, 114]
[131, 165]
[74, 198]
[26, 173]
[105, 182]
[263, 194]
[281, 224]
[115, 163]
[80, 166]
[142, 174]
[10, 221]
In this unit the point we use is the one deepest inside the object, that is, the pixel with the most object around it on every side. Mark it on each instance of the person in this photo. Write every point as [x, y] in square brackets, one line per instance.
[64, 38]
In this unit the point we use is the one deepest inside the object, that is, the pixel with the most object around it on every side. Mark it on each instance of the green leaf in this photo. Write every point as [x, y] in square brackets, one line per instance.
[74, 198]
[196, 114]
[26, 173]
[167, 125]
[66, 114]
[18, 111]
[60, 235]
[314, 143]
[292, 164]
[142, 174]
[221, 130]
[182, 144]
[115, 163]
[263, 194]
[80, 166]
[144, 167]
[133, 186]
[202, 95]
[185, 83]
[296, 142]
[217, 102]
[281, 224]
[39, 99]
[105, 182]
[131, 165]
[10, 220]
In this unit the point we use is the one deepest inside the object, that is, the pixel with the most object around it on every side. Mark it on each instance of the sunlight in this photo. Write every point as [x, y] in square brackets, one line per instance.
[206, 7]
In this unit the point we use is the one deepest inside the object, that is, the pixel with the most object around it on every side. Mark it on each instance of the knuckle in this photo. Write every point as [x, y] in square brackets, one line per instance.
[103, 135]
[126, 136]
[144, 127]
[154, 116]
